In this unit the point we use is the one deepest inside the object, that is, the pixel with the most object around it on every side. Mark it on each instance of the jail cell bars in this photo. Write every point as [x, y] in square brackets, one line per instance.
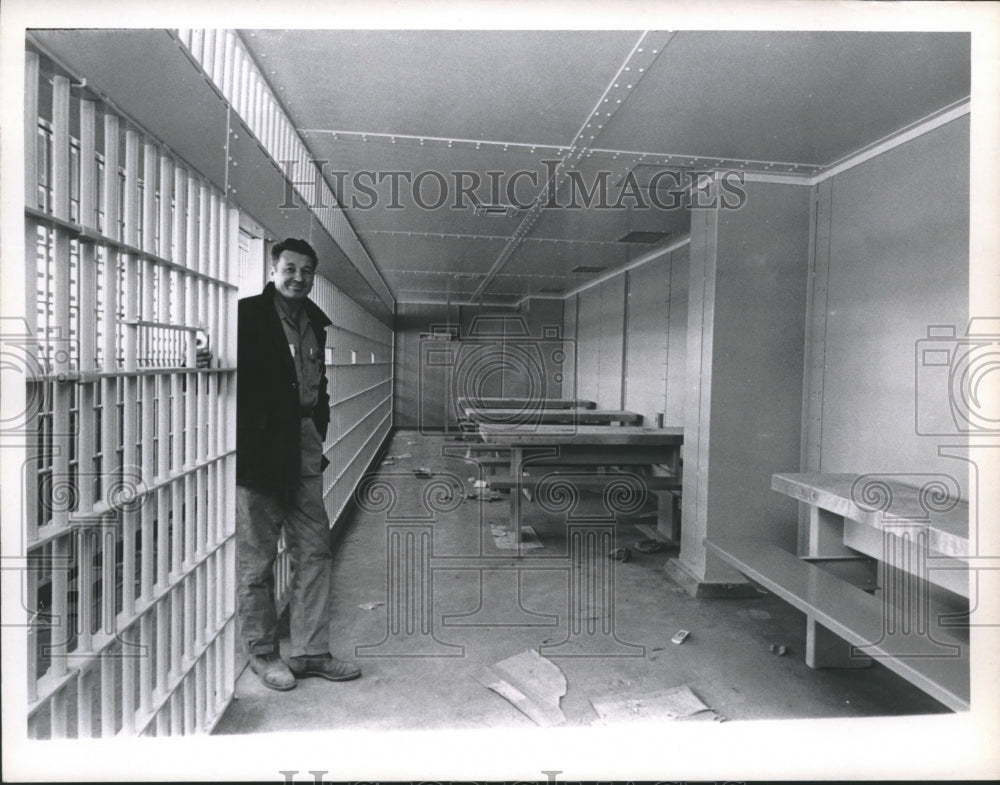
[129, 478]
[360, 392]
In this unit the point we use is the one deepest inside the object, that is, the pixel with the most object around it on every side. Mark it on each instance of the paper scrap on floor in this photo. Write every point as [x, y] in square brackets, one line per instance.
[503, 537]
[678, 703]
[531, 683]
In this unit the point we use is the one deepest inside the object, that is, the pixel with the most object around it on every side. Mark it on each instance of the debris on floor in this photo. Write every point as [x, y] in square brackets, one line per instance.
[680, 636]
[487, 496]
[503, 537]
[422, 471]
[399, 457]
[678, 703]
[621, 554]
[531, 683]
[650, 546]
[370, 606]
[779, 649]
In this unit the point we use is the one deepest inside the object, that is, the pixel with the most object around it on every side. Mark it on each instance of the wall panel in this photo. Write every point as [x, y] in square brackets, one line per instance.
[897, 263]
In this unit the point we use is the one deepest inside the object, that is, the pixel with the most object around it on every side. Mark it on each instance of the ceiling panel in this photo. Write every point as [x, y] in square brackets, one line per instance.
[561, 258]
[520, 86]
[409, 187]
[402, 252]
[807, 97]
[445, 102]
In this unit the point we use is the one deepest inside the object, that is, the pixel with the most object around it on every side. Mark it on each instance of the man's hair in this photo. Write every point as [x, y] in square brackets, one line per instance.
[295, 245]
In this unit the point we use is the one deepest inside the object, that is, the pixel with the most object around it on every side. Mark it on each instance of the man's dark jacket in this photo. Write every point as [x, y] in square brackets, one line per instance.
[268, 450]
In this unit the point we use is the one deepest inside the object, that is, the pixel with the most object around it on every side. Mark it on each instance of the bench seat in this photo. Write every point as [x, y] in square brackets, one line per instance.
[937, 663]
[652, 483]
[918, 530]
[667, 491]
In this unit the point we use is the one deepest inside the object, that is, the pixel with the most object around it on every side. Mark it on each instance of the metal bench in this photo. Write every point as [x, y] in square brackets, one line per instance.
[931, 659]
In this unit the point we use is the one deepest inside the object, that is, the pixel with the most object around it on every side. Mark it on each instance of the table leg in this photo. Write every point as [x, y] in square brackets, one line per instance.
[516, 469]
[674, 463]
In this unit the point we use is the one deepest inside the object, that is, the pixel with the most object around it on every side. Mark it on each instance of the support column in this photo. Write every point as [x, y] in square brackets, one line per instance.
[749, 262]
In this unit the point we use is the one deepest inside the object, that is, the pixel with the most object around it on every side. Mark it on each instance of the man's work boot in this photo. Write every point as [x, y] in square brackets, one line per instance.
[325, 666]
[272, 671]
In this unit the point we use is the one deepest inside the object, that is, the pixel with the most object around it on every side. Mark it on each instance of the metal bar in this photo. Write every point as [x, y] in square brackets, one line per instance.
[60, 147]
[88, 165]
[177, 712]
[180, 223]
[148, 510]
[108, 702]
[218, 57]
[176, 630]
[85, 588]
[188, 706]
[31, 74]
[210, 246]
[85, 704]
[109, 602]
[228, 63]
[204, 228]
[166, 191]
[148, 205]
[109, 199]
[146, 654]
[189, 633]
[88, 313]
[128, 687]
[208, 53]
[197, 46]
[199, 694]
[163, 648]
[60, 624]
[128, 564]
[211, 594]
[130, 203]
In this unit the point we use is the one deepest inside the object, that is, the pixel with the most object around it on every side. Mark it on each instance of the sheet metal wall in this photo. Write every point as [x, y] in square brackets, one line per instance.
[630, 339]
[892, 260]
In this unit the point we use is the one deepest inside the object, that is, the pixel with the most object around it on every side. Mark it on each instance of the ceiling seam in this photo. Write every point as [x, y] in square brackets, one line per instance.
[640, 58]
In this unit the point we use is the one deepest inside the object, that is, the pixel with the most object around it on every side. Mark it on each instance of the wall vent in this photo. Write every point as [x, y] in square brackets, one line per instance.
[496, 210]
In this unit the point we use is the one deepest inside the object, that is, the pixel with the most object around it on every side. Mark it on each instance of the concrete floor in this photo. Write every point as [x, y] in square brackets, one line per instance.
[426, 681]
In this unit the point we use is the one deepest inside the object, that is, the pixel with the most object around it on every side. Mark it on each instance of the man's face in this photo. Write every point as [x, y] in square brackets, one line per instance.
[292, 274]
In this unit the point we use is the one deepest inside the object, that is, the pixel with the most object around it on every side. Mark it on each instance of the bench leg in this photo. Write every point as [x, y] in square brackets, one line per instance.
[826, 649]
[823, 537]
[668, 515]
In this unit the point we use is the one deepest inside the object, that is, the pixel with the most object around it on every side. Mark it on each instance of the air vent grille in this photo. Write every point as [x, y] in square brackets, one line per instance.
[496, 210]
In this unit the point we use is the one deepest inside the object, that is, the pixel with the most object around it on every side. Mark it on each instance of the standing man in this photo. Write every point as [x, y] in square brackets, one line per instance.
[283, 411]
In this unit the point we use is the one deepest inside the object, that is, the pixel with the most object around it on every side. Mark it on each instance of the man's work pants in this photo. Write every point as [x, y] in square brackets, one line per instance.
[259, 520]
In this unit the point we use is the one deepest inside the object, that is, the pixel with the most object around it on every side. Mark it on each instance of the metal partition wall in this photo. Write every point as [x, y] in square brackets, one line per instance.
[128, 485]
[359, 370]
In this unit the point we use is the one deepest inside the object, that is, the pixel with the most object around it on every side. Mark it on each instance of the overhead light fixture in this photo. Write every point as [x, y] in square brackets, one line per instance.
[585, 269]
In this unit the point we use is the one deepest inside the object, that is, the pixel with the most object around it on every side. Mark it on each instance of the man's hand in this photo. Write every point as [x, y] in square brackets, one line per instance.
[203, 356]
[203, 359]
